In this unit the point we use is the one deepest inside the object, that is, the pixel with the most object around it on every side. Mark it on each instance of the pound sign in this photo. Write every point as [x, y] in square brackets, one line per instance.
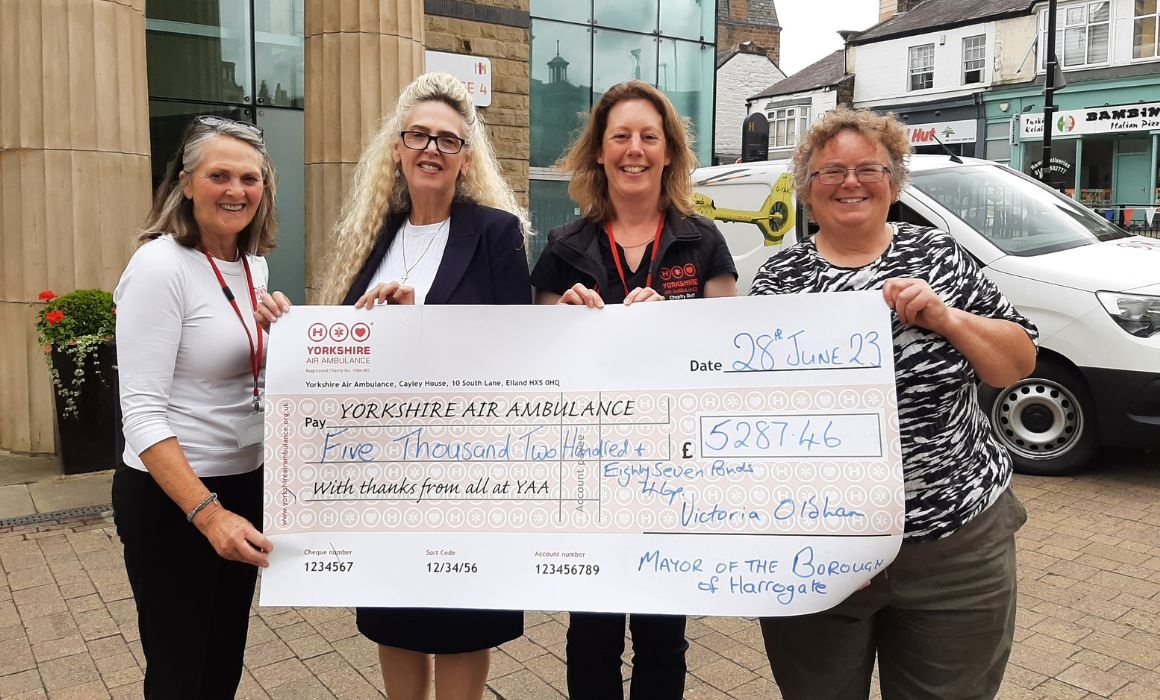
[687, 450]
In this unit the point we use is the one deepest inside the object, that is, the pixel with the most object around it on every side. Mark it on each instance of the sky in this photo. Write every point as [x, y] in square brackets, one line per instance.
[809, 28]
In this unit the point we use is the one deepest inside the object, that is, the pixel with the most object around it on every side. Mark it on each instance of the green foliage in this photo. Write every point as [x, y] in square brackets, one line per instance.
[77, 323]
[85, 312]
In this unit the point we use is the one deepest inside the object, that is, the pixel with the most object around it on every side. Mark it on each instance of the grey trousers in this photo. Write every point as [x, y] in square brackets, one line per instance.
[940, 619]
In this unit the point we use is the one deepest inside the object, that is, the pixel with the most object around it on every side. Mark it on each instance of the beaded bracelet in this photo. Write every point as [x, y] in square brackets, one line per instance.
[193, 513]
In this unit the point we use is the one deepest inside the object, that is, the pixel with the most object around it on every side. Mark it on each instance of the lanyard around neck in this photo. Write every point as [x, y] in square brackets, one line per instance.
[652, 259]
[255, 354]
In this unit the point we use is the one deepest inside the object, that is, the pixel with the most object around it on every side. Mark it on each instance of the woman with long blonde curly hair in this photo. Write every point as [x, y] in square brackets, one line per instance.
[379, 189]
[430, 220]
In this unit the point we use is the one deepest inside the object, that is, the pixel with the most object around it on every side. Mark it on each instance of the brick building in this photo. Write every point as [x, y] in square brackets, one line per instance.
[739, 21]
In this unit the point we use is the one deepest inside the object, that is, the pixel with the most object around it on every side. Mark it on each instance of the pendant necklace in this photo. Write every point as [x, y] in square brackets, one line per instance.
[403, 247]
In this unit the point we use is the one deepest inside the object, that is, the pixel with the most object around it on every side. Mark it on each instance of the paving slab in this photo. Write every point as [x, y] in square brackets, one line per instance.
[75, 491]
[27, 469]
[15, 501]
[33, 485]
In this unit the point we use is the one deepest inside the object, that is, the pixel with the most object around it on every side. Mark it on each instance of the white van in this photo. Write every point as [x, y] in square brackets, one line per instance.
[1092, 289]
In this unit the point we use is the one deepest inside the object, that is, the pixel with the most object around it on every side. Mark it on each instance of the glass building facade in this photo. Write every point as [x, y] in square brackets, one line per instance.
[244, 59]
[579, 49]
[241, 59]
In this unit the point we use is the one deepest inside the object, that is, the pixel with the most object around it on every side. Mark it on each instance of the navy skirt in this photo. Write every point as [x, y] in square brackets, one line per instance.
[439, 630]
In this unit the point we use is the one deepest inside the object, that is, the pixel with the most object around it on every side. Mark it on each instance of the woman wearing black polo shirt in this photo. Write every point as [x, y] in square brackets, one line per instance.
[638, 240]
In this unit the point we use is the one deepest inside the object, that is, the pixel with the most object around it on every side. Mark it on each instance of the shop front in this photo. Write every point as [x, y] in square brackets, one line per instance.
[939, 127]
[1104, 144]
[1103, 156]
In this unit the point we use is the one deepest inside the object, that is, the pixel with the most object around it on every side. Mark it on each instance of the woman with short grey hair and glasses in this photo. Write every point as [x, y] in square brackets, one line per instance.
[190, 347]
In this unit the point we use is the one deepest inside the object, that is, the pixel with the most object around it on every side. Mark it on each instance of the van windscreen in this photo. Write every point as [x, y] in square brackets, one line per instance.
[1019, 215]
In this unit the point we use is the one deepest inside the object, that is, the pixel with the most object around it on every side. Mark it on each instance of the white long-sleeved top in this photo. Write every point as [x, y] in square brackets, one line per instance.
[183, 357]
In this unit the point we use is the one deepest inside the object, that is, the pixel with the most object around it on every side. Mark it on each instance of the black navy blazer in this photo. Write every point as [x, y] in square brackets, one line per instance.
[484, 262]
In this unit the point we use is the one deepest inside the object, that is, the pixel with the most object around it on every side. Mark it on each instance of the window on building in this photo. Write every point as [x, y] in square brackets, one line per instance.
[974, 58]
[999, 141]
[787, 125]
[576, 11]
[1144, 28]
[619, 56]
[639, 15]
[581, 48]
[279, 56]
[687, 19]
[560, 87]
[1082, 35]
[197, 52]
[921, 67]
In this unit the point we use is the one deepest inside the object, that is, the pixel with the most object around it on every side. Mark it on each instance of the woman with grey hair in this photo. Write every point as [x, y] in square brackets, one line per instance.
[431, 220]
[188, 497]
[941, 618]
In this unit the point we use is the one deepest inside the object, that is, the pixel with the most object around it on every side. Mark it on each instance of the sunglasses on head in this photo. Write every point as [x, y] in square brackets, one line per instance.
[213, 121]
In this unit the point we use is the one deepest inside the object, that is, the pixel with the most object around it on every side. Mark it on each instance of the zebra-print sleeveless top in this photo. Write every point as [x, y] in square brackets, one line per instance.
[952, 466]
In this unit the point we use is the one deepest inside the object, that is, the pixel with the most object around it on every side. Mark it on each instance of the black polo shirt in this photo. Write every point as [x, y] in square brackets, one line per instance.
[692, 251]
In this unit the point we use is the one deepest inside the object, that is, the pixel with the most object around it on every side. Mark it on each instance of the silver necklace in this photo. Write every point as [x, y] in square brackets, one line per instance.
[403, 246]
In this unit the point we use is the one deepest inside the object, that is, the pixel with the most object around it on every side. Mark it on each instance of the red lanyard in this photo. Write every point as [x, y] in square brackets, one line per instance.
[255, 355]
[616, 255]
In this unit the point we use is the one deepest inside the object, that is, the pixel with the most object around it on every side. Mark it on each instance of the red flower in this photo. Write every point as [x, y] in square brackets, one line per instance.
[54, 317]
[47, 295]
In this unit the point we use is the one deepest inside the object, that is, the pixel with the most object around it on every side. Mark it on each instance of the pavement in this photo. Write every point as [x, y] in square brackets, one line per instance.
[31, 487]
[1088, 624]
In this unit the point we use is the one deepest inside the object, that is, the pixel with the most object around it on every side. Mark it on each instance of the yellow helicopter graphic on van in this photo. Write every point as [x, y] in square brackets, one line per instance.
[775, 218]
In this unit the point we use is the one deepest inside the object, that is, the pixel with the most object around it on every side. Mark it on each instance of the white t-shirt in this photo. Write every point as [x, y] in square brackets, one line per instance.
[183, 357]
[424, 246]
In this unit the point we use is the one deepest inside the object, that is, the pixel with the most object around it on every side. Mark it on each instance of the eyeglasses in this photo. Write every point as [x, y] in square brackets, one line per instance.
[446, 144]
[215, 122]
[837, 175]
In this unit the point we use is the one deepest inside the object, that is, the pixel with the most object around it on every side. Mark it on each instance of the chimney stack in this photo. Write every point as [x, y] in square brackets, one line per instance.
[889, 8]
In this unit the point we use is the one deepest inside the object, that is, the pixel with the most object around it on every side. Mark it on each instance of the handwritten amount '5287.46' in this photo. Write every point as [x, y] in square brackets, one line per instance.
[756, 436]
[764, 437]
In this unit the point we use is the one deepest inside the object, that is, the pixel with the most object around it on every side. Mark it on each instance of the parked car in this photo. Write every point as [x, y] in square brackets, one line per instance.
[1091, 288]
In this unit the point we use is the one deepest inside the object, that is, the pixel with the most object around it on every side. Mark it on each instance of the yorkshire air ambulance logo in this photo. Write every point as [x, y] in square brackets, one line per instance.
[775, 218]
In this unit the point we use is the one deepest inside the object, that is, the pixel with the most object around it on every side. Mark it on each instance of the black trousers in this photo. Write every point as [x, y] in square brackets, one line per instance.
[596, 641]
[193, 607]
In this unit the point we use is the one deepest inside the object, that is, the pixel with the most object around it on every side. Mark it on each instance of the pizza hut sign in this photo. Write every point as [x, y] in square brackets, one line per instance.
[963, 131]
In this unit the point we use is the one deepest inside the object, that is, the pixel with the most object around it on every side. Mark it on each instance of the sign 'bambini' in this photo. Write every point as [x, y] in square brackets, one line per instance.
[1095, 120]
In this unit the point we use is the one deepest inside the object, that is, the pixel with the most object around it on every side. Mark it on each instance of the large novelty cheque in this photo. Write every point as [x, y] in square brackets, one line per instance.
[721, 456]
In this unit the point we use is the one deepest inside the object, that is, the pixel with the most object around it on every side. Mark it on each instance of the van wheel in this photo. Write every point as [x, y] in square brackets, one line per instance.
[1047, 421]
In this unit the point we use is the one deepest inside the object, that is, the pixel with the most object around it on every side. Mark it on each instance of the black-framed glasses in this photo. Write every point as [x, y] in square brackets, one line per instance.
[214, 121]
[836, 175]
[446, 144]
